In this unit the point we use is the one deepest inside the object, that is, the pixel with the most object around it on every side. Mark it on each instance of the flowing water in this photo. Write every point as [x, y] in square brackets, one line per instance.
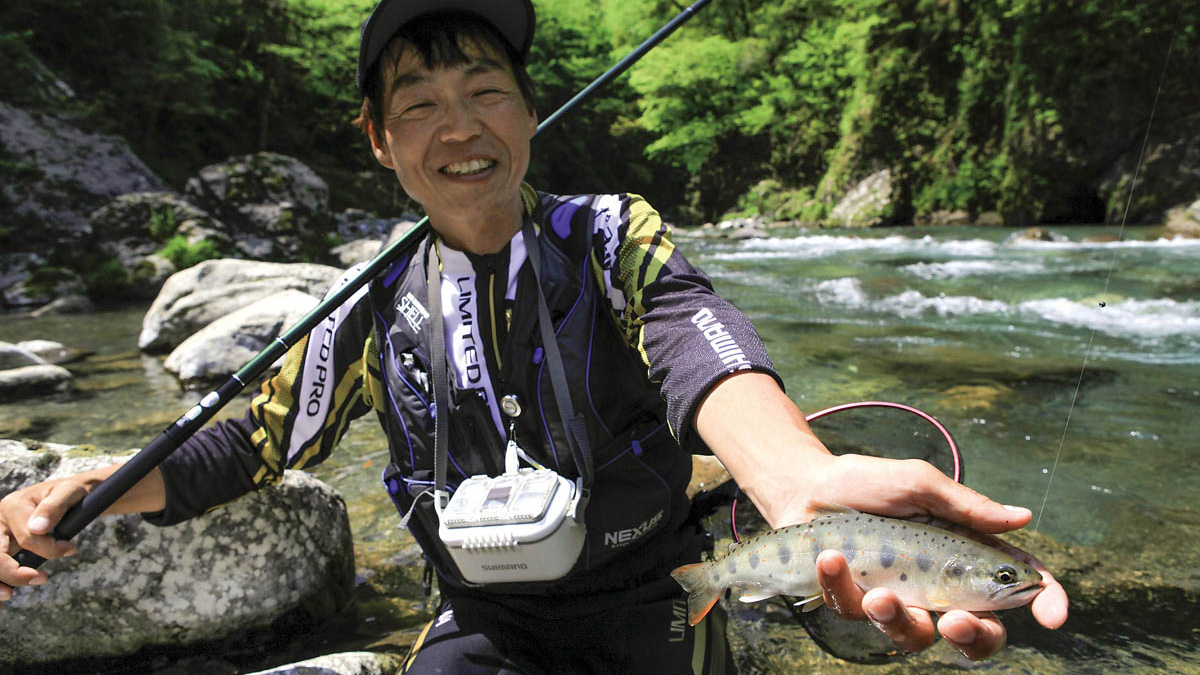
[987, 335]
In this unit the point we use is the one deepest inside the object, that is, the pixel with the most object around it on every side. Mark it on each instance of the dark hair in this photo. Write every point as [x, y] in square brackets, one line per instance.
[441, 39]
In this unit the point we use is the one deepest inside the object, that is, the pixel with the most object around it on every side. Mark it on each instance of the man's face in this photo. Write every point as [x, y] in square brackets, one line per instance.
[457, 137]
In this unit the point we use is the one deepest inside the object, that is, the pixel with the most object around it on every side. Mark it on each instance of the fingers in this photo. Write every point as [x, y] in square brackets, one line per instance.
[1050, 607]
[910, 628]
[977, 636]
[841, 594]
[27, 518]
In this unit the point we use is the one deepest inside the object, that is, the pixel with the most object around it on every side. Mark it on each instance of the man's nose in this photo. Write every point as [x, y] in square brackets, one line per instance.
[461, 122]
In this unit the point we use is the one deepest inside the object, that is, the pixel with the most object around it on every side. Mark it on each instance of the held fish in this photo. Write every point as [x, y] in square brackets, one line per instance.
[927, 566]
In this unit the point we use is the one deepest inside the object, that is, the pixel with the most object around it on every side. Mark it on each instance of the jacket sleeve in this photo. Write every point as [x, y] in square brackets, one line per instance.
[687, 335]
[327, 379]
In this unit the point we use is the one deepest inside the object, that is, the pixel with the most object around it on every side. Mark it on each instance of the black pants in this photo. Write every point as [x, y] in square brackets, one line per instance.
[643, 632]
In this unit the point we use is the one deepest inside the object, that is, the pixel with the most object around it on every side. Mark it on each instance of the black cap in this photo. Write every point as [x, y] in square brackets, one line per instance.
[511, 18]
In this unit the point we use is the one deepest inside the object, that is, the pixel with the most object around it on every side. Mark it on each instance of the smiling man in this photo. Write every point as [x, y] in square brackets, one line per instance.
[531, 330]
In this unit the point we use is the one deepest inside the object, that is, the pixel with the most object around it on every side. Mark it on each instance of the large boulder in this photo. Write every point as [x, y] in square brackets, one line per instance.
[276, 206]
[195, 297]
[225, 345]
[277, 560]
[867, 204]
[135, 228]
[55, 174]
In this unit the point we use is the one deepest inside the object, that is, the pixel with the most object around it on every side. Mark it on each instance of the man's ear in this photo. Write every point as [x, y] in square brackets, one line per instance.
[378, 146]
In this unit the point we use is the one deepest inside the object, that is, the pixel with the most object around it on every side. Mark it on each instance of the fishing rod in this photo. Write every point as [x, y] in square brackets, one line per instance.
[169, 440]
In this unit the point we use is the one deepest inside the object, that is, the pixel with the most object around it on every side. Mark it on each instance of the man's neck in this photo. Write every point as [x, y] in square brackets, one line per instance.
[481, 233]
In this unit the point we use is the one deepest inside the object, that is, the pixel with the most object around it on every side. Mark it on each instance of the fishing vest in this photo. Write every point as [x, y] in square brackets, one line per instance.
[636, 518]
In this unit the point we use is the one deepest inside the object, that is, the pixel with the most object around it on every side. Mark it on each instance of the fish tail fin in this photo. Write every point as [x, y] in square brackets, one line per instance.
[702, 596]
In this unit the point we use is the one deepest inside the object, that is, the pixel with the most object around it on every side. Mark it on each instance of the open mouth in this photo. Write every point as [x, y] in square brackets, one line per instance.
[470, 167]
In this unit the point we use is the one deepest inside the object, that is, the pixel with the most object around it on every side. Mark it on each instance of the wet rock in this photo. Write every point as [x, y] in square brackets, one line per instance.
[225, 345]
[350, 663]
[31, 381]
[52, 352]
[867, 204]
[275, 561]
[275, 206]
[195, 297]
[68, 304]
[24, 374]
[17, 356]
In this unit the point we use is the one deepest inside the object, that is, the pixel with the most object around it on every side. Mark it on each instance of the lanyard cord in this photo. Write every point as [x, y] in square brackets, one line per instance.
[440, 379]
[572, 422]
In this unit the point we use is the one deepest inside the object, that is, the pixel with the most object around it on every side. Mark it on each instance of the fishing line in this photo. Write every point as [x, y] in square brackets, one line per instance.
[1108, 279]
[956, 463]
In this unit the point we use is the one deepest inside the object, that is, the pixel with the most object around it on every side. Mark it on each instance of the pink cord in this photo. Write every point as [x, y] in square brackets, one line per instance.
[873, 404]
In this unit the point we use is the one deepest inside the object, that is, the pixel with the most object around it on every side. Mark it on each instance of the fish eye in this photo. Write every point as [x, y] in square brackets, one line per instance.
[1005, 574]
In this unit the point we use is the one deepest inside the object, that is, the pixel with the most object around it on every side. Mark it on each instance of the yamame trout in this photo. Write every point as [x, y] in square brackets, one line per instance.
[926, 566]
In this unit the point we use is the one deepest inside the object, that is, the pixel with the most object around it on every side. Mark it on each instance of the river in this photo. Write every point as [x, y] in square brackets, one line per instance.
[1068, 373]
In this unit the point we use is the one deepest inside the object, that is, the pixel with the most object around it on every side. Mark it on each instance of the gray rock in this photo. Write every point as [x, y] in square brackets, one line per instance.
[30, 381]
[70, 173]
[18, 356]
[151, 217]
[359, 250]
[275, 206]
[68, 304]
[281, 555]
[195, 297]
[26, 282]
[225, 345]
[867, 204]
[349, 663]
[51, 352]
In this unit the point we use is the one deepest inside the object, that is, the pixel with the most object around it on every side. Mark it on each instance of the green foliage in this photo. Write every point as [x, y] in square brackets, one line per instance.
[984, 105]
[184, 254]
[162, 223]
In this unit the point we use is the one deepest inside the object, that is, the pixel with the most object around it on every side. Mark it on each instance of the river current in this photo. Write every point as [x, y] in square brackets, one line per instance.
[1068, 372]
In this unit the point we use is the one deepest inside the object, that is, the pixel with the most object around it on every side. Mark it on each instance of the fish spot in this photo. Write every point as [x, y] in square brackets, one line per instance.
[887, 556]
[731, 566]
[754, 560]
[785, 555]
[924, 561]
[863, 573]
[903, 577]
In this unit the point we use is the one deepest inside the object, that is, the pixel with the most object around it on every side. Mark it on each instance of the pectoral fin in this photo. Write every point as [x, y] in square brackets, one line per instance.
[810, 603]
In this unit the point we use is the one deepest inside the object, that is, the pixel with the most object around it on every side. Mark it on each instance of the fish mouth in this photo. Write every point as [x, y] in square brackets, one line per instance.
[1008, 598]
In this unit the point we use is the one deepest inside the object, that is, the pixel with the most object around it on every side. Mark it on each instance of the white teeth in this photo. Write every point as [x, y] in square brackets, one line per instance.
[468, 167]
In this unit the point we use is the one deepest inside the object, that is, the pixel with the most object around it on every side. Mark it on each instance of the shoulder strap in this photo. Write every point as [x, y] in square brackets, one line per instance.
[572, 421]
